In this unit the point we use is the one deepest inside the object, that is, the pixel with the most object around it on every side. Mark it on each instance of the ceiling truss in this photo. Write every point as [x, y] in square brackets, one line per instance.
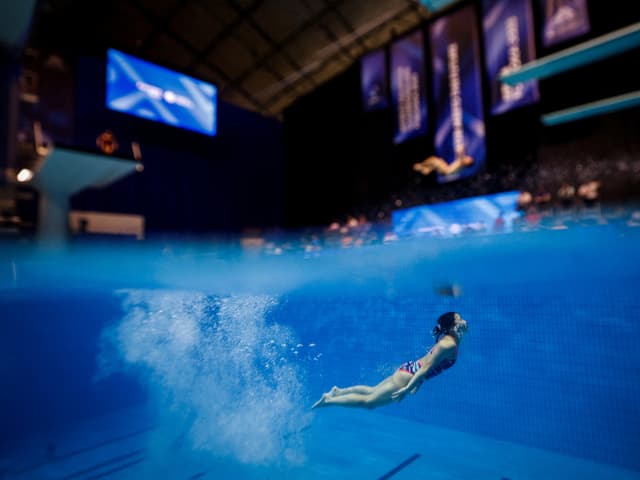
[262, 54]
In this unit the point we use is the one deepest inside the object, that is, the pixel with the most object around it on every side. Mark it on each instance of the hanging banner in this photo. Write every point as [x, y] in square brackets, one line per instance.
[563, 20]
[509, 42]
[408, 88]
[460, 129]
[373, 81]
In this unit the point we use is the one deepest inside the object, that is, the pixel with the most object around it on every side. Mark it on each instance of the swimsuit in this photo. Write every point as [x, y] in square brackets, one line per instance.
[438, 369]
[412, 367]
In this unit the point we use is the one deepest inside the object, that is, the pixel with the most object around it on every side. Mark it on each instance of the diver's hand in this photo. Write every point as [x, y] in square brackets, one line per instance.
[398, 395]
[416, 386]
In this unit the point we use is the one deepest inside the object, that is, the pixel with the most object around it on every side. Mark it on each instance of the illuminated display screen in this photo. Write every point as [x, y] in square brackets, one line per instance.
[451, 218]
[156, 93]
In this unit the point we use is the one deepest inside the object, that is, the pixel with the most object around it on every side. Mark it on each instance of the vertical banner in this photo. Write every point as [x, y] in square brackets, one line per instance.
[373, 81]
[408, 87]
[564, 20]
[509, 42]
[460, 129]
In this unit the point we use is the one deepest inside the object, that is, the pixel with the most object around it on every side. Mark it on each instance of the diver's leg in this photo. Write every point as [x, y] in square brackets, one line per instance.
[361, 389]
[336, 392]
[347, 400]
[440, 165]
[426, 169]
[430, 164]
[380, 395]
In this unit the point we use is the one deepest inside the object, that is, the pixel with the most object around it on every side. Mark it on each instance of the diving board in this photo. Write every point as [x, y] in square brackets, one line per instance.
[601, 107]
[434, 6]
[613, 43]
[66, 172]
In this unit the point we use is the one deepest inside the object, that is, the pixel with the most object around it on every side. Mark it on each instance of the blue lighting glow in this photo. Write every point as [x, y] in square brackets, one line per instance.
[156, 93]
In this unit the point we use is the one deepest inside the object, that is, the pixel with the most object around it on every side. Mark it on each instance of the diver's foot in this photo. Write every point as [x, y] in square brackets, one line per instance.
[423, 169]
[335, 391]
[321, 402]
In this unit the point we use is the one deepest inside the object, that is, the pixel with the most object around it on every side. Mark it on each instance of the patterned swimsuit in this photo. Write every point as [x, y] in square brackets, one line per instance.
[413, 366]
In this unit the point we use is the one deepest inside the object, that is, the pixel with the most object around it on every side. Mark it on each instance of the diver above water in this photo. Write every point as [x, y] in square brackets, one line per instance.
[432, 163]
[408, 377]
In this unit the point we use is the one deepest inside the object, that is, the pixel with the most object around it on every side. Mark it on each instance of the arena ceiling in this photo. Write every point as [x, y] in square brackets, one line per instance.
[262, 54]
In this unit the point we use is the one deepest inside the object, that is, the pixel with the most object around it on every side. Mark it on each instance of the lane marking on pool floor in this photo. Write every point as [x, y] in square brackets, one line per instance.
[74, 453]
[400, 466]
[114, 462]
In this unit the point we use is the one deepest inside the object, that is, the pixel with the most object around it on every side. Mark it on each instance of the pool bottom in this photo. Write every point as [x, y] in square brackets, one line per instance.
[339, 444]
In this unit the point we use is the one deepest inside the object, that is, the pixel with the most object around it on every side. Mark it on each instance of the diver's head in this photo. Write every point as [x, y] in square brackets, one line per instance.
[450, 323]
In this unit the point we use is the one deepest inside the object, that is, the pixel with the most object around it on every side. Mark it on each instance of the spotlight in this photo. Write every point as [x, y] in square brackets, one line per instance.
[24, 175]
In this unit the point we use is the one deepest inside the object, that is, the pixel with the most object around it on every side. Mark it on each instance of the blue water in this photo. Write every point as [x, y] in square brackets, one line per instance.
[222, 352]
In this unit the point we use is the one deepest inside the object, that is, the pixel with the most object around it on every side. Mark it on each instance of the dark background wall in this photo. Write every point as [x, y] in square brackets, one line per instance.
[341, 160]
[191, 182]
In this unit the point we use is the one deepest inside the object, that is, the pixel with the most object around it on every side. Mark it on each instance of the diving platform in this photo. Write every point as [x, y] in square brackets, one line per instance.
[591, 51]
[601, 107]
[65, 172]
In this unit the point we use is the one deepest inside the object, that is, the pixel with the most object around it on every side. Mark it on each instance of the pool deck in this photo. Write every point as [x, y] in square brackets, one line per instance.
[339, 444]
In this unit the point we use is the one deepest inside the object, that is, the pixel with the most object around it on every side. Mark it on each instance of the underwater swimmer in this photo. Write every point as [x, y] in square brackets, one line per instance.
[408, 377]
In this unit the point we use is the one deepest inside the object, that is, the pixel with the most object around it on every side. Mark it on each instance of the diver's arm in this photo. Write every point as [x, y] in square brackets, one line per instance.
[438, 353]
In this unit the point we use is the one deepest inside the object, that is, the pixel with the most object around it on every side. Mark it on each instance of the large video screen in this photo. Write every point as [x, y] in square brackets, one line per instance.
[143, 89]
[485, 213]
